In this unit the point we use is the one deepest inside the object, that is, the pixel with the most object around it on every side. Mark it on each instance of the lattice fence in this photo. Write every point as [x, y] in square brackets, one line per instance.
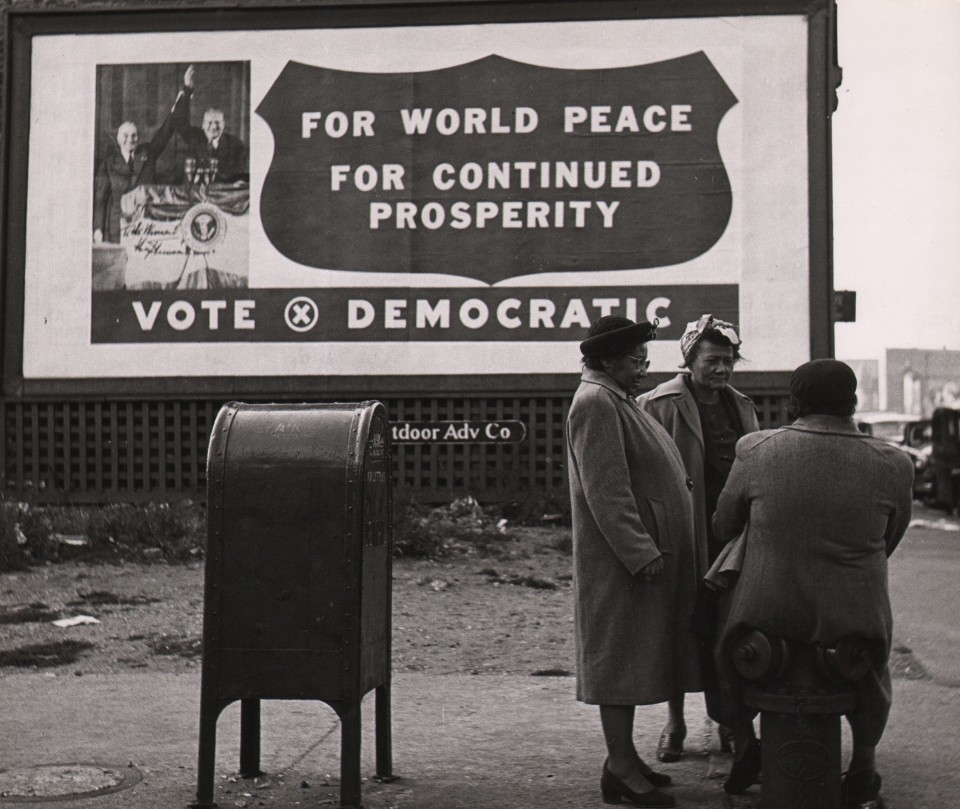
[129, 451]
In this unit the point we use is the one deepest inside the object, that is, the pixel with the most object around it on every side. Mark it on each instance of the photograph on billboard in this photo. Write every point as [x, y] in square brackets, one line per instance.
[413, 200]
[170, 203]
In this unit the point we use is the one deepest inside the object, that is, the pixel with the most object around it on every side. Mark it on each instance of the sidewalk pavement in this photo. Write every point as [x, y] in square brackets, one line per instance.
[459, 742]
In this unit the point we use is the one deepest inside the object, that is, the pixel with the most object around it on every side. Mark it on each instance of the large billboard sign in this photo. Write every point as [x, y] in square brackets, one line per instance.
[412, 200]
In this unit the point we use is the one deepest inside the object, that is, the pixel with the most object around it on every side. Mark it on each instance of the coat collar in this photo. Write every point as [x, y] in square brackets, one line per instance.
[834, 425]
[678, 387]
[604, 381]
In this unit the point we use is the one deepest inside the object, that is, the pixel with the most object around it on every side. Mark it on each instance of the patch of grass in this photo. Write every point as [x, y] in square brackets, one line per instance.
[169, 645]
[461, 526]
[518, 581]
[904, 665]
[564, 544]
[171, 532]
[11, 556]
[538, 509]
[44, 655]
[99, 598]
[532, 581]
[33, 614]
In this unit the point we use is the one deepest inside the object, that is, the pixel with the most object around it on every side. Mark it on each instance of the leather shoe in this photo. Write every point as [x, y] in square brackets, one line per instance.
[745, 771]
[670, 747]
[861, 787]
[657, 779]
[615, 791]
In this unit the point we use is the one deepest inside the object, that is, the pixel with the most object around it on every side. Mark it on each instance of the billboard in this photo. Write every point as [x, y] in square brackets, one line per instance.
[413, 200]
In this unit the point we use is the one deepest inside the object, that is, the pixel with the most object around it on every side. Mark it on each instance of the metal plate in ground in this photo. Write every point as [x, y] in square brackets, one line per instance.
[64, 782]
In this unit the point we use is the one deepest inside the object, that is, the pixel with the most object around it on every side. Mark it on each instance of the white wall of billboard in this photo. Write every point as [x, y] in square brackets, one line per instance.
[538, 297]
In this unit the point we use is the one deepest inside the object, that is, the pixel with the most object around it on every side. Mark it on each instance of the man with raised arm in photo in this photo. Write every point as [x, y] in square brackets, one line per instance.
[133, 163]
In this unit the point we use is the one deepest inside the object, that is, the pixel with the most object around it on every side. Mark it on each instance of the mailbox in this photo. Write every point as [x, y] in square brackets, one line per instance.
[297, 590]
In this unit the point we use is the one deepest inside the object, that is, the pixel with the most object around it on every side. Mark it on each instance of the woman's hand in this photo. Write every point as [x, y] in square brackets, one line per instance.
[652, 570]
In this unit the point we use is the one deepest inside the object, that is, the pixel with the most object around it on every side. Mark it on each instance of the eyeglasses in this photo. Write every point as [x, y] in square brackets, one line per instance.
[642, 364]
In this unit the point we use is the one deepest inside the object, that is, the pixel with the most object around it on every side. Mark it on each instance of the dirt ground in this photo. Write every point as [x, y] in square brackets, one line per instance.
[505, 610]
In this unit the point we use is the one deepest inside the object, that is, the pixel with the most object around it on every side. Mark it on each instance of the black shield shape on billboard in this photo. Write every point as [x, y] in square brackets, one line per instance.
[496, 169]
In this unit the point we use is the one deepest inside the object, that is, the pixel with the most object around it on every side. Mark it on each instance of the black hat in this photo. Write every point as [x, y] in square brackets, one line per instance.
[612, 334]
[824, 383]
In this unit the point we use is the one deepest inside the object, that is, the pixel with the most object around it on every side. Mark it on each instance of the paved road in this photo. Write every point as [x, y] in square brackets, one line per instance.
[918, 756]
[925, 593]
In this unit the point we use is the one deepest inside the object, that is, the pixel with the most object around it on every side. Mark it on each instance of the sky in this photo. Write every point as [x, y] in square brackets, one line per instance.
[896, 181]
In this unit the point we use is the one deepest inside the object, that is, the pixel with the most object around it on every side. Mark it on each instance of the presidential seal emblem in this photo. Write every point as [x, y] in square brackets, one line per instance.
[203, 227]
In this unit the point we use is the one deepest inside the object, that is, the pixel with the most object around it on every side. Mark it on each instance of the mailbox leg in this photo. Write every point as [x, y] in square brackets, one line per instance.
[207, 752]
[250, 738]
[384, 735]
[350, 755]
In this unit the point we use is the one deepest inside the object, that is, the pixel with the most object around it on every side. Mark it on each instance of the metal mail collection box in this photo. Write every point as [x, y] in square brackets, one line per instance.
[298, 572]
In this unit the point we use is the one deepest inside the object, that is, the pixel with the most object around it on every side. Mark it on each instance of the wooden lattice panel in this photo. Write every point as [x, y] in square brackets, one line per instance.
[156, 450]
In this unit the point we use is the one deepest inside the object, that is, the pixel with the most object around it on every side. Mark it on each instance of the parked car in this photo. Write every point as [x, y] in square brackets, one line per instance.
[912, 434]
[945, 458]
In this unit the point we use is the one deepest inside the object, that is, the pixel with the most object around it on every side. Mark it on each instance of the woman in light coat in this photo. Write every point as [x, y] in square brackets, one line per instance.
[633, 553]
[705, 416]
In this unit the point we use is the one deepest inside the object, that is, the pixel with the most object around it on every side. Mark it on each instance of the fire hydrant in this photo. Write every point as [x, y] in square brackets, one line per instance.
[801, 691]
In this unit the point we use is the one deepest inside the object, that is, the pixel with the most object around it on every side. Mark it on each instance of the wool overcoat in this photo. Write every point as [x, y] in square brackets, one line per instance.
[823, 506]
[630, 505]
[673, 405]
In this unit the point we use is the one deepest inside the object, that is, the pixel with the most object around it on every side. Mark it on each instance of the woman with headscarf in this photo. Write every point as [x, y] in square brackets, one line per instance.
[633, 554]
[820, 507]
[705, 415]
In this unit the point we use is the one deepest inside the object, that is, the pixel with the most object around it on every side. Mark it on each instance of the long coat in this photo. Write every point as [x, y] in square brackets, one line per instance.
[631, 505]
[823, 506]
[673, 405]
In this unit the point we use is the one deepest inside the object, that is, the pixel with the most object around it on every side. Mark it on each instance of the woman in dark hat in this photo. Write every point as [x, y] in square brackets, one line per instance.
[822, 506]
[633, 554]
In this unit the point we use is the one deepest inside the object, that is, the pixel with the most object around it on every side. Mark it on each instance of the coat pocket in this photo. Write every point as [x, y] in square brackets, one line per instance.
[658, 522]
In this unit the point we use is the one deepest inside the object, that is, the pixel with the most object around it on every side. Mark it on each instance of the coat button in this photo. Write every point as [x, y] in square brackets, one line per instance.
[690, 484]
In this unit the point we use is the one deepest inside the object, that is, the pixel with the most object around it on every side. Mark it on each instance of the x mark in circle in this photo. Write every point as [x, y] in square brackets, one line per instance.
[301, 314]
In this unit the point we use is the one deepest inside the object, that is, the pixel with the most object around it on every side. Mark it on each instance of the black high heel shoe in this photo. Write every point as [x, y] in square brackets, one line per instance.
[670, 746]
[745, 771]
[657, 779]
[615, 791]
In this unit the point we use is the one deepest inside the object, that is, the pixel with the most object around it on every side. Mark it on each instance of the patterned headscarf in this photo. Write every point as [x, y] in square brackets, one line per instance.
[696, 329]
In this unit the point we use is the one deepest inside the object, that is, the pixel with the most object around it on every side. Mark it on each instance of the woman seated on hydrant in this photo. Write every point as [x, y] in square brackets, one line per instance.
[820, 507]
